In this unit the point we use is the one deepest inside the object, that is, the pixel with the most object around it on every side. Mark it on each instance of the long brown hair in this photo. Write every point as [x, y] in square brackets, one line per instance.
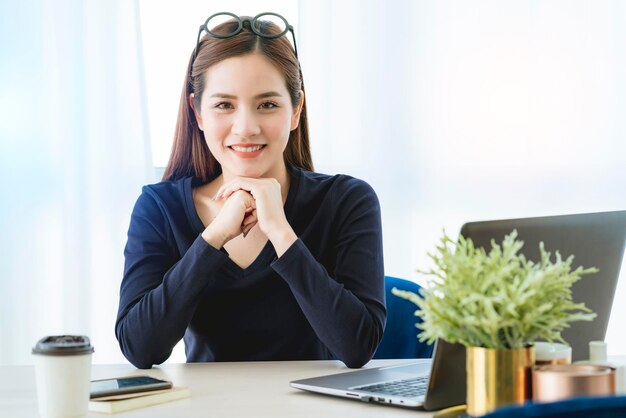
[190, 154]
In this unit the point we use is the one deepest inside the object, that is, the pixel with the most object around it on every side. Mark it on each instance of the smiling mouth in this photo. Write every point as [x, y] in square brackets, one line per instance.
[253, 148]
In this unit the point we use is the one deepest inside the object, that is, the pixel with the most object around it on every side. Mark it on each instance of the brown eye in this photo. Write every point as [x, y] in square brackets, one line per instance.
[268, 105]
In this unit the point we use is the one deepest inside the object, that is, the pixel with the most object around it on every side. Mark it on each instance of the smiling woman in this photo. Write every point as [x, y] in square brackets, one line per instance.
[242, 250]
[165, 61]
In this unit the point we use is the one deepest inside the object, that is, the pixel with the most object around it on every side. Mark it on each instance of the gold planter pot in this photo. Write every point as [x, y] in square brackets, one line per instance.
[497, 377]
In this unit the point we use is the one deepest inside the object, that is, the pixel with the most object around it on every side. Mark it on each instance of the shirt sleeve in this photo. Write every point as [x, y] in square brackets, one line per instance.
[160, 290]
[345, 307]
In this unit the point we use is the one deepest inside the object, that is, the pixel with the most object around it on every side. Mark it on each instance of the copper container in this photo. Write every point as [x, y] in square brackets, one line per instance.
[560, 381]
[497, 377]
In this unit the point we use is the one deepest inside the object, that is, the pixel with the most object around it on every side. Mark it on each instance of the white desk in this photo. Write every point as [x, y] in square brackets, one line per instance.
[259, 389]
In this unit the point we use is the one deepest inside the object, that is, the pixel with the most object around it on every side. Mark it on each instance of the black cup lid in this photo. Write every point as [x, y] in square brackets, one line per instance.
[63, 345]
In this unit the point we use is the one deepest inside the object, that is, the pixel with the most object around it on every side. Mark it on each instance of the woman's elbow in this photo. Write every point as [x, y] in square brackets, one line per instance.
[136, 354]
[356, 362]
[137, 358]
[363, 353]
[140, 363]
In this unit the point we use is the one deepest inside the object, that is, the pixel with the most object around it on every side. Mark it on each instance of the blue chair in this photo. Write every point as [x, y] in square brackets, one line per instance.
[400, 337]
[584, 407]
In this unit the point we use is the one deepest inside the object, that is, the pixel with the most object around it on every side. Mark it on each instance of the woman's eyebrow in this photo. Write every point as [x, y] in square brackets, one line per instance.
[258, 96]
[268, 94]
[223, 96]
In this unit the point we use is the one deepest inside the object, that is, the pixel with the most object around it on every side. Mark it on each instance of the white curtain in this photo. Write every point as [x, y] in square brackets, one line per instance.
[74, 154]
[459, 110]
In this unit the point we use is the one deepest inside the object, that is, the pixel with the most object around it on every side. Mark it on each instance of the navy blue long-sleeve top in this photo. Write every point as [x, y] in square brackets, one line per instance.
[322, 299]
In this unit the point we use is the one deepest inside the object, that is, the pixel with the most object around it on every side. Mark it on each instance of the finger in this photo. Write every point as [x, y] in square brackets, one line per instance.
[232, 186]
[218, 195]
[229, 191]
[248, 220]
[226, 190]
[247, 229]
[225, 193]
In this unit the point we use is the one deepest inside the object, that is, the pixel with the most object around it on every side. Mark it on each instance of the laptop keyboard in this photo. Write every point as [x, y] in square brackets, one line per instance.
[410, 387]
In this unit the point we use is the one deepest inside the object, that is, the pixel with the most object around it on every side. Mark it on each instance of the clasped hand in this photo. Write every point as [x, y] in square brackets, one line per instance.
[246, 202]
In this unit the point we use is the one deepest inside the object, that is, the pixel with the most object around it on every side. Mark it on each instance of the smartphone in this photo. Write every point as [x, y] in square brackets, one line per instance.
[123, 385]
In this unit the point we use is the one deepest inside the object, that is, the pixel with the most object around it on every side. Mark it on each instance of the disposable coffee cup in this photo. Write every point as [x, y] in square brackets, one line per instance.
[552, 353]
[63, 374]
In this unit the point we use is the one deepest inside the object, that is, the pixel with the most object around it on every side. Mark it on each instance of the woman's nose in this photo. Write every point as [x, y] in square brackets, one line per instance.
[245, 124]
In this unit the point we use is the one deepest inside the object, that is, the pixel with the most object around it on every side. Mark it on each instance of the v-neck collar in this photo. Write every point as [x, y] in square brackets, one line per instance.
[268, 253]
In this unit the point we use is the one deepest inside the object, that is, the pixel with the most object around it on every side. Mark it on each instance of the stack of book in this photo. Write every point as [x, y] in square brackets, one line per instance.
[126, 402]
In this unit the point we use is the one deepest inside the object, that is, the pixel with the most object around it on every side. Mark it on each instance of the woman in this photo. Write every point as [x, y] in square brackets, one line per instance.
[242, 250]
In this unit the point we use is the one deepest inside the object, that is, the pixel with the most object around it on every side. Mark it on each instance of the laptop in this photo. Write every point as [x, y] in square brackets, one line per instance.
[595, 240]
[431, 384]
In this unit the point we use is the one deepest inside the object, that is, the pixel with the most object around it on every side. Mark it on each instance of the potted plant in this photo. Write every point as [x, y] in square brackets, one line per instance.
[497, 304]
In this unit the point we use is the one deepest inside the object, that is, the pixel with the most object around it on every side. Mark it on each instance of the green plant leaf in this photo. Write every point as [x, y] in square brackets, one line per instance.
[497, 299]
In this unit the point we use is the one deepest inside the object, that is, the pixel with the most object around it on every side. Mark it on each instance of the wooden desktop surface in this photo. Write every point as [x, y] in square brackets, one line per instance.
[242, 389]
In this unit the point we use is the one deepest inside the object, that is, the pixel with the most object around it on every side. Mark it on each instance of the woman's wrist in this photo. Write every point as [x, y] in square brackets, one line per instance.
[213, 239]
[282, 239]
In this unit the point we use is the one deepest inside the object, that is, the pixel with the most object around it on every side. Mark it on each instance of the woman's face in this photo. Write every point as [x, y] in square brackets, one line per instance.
[246, 115]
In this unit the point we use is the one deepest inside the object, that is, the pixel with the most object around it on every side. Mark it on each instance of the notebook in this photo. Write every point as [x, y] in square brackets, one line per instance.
[595, 239]
[129, 401]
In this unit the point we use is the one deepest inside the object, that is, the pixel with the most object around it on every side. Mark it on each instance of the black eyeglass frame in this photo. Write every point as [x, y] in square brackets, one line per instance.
[204, 28]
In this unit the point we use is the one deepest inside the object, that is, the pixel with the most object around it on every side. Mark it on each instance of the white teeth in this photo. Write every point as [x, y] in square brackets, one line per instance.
[246, 149]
